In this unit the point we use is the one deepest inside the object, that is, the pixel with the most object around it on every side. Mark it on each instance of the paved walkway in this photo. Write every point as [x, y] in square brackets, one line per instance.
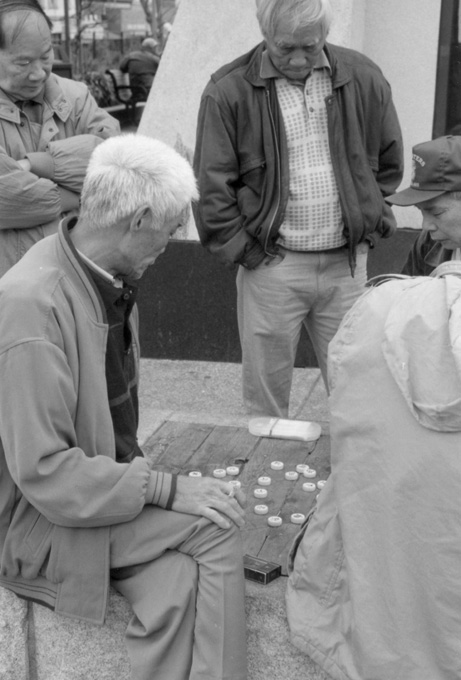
[208, 392]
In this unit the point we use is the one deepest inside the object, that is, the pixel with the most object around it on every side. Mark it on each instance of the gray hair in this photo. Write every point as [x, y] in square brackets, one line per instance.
[24, 7]
[295, 13]
[132, 171]
[149, 44]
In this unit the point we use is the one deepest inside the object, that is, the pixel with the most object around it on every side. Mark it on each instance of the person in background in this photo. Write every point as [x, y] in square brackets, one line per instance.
[436, 191]
[48, 128]
[80, 506]
[60, 53]
[298, 143]
[141, 66]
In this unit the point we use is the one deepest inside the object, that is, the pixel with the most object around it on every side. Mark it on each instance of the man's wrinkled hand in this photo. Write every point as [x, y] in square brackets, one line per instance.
[218, 501]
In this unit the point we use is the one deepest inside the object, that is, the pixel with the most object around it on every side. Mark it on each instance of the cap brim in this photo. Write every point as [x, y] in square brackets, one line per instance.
[412, 197]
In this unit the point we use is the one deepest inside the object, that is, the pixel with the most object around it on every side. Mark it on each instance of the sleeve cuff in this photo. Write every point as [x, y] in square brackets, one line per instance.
[42, 164]
[161, 489]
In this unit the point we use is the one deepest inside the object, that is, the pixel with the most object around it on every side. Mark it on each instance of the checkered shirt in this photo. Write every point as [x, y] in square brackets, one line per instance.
[313, 218]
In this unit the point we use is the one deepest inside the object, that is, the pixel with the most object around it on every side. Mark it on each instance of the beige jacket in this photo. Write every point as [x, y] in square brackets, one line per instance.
[32, 203]
[60, 486]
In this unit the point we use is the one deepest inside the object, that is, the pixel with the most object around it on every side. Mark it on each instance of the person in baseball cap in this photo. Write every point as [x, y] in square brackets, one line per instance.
[435, 189]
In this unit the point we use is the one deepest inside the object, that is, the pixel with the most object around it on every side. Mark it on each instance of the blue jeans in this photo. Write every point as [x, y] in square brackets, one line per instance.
[274, 301]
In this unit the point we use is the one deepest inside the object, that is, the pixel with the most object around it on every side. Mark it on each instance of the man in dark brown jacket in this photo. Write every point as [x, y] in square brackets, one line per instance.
[297, 144]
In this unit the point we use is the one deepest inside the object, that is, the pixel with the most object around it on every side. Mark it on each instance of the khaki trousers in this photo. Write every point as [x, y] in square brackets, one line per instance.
[183, 577]
[274, 301]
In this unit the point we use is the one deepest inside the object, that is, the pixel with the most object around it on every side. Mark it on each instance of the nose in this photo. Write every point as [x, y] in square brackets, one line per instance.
[427, 224]
[298, 58]
[37, 72]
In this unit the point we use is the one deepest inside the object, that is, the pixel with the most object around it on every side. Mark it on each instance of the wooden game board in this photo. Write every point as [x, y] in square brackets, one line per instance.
[183, 447]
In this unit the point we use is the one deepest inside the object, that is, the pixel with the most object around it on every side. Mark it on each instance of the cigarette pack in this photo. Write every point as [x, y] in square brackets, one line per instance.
[260, 570]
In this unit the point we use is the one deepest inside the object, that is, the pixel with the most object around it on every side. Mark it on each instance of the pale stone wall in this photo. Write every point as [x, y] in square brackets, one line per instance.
[206, 34]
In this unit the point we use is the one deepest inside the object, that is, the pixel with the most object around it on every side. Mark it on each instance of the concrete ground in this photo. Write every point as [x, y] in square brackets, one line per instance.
[208, 392]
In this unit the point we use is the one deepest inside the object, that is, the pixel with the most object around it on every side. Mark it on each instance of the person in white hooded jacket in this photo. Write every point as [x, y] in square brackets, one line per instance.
[374, 590]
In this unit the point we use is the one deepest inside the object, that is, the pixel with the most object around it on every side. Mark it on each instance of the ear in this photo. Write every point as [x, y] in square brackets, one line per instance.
[142, 217]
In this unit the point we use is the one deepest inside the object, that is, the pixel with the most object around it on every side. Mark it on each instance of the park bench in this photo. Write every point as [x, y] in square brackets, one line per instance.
[123, 93]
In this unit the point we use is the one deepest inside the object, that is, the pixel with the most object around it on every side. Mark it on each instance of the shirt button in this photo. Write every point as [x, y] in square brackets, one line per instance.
[126, 296]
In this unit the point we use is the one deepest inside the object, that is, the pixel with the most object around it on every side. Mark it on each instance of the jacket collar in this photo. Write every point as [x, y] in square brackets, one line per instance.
[437, 254]
[340, 74]
[54, 99]
[81, 277]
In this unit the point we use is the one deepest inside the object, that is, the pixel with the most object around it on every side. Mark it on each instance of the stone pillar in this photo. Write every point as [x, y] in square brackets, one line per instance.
[206, 35]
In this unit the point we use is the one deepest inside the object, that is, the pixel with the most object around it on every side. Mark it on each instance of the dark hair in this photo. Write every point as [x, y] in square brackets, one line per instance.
[7, 6]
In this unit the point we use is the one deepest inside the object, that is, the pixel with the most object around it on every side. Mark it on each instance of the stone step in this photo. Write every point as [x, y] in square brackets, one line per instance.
[36, 644]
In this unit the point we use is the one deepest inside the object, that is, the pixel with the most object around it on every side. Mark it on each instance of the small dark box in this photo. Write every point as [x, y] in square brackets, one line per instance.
[259, 570]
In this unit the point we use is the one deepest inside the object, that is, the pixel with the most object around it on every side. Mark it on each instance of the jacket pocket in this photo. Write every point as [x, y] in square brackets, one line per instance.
[37, 537]
[250, 193]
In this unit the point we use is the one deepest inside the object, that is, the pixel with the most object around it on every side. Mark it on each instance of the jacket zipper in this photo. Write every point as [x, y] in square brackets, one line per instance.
[277, 153]
[352, 261]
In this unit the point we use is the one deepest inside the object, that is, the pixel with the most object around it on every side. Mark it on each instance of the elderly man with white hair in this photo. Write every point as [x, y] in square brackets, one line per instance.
[298, 142]
[79, 505]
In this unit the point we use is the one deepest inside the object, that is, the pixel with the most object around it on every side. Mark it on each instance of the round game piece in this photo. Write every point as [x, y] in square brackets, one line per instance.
[277, 465]
[309, 486]
[297, 518]
[321, 483]
[261, 509]
[219, 472]
[235, 482]
[291, 475]
[274, 521]
[310, 473]
[233, 470]
[260, 493]
[301, 467]
[195, 473]
[264, 481]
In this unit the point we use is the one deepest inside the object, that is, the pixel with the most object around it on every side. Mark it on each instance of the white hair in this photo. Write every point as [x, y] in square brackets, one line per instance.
[295, 13]
[133, 171]
[149, 43]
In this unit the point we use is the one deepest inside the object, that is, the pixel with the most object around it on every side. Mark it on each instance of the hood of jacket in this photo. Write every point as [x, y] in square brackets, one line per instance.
[422, 349]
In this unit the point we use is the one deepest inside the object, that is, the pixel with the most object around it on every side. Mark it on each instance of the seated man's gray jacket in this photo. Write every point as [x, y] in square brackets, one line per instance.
[60, 487]
[241, 156]
[32, 203]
